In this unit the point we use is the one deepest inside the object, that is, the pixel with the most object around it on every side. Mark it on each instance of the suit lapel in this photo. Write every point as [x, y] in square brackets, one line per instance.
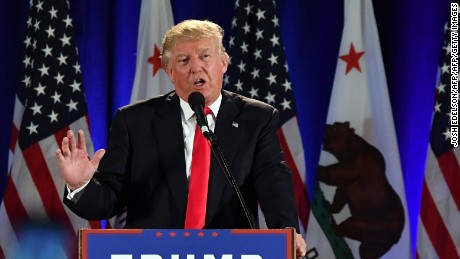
[228, 136]
[168, 128]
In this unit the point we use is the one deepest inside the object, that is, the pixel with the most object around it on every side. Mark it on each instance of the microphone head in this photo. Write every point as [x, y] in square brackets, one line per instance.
[196, 98]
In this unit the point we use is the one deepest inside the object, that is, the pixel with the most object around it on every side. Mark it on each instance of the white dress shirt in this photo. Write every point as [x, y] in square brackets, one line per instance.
[188, 131]
[189, 125]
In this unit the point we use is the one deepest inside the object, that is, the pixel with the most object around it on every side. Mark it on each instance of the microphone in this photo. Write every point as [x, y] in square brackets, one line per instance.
[196, 102]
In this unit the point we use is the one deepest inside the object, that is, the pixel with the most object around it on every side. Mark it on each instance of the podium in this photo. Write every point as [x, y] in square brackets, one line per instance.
[186, 244]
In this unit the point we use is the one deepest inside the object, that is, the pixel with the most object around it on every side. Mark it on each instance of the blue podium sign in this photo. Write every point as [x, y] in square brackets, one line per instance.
[186, 244]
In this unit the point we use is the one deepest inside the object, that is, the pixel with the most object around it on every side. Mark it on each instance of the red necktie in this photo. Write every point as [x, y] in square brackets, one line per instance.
[199, 176]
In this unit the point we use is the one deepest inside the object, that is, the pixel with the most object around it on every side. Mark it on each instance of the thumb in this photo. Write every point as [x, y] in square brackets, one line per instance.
[97, 157]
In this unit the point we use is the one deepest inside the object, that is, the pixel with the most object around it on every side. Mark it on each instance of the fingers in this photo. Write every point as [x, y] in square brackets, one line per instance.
[59, 155]
[65, 147]
[70, 145]
[97, 157]
[81, 141]
[301, 246]
[72, 140]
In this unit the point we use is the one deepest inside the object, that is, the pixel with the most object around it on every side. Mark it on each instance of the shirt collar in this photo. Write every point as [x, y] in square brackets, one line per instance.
[188, 112]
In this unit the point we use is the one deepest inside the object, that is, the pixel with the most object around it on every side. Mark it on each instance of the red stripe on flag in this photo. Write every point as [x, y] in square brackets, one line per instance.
[44, 183]
[41, 176]
[300, 191]
[13, 206]
[95, 224]
[88, 123]
[14, 137]
[451, 171]
[435, 227]
[60, 134]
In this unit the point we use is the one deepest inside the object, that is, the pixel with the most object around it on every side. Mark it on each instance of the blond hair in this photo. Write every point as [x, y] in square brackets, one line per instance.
[190, 30]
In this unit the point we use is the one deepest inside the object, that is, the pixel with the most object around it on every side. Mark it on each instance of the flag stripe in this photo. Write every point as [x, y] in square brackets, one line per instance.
[59, 183]
[425, 245]
[438, 201]
[25, 188]
[442, 197]
[13, 205]
[258, 69]
[50, 145]
[81, 124]
[46, 187]
[434, 225]
[294, 143]
[96, 224]
[439, 225]
[44, 183]
[88, 125]
[49, 97]
[60, 134]
[14, 137]
[299, 186]
[7, 233]
[17, 116]
[451, 171]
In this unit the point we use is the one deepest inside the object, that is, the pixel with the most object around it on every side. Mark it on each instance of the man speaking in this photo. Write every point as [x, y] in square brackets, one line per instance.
[159, 165]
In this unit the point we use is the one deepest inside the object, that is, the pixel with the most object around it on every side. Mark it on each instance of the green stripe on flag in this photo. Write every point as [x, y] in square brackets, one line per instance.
[324, 218]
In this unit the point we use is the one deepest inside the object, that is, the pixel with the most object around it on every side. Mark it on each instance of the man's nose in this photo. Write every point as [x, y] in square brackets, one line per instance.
[195, 65]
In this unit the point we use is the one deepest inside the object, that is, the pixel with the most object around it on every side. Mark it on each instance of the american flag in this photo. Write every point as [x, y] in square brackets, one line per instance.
[49, 102]
[439, 221]
[258, 69]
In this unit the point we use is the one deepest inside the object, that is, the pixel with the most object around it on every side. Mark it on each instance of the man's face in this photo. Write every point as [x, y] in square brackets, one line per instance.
[197, 66]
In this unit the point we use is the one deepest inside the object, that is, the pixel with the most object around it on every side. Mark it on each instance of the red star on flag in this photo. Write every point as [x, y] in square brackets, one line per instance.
[158, 234]
[155, 60]
[352, 59]
[156, 18]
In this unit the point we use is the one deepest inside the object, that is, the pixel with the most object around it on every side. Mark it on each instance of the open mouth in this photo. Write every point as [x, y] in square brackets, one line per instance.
[200, 82]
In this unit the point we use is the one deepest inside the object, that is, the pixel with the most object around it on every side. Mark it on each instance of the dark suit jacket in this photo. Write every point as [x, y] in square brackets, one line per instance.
[144, 168]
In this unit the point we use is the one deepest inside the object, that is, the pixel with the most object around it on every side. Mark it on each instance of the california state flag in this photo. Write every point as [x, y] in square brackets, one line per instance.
[359, 204]
[151, 80]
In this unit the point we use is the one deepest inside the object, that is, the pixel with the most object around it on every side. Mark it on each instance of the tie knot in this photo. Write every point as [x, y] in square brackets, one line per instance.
[207, 111]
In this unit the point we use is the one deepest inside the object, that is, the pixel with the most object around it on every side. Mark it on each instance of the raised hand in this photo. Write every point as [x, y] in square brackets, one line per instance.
[74, 162]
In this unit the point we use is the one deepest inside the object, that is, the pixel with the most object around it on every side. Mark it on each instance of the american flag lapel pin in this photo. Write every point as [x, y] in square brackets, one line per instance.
[234, 124]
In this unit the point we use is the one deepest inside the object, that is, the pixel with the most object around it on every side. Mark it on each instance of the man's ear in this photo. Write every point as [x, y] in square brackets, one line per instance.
[224, 65]
[169, 71]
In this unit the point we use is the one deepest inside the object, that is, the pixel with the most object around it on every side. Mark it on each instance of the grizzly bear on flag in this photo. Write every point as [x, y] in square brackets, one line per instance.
[377, 214]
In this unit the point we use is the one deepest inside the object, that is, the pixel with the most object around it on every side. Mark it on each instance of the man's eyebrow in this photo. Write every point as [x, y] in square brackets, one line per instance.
[180, 55]
[200, 50]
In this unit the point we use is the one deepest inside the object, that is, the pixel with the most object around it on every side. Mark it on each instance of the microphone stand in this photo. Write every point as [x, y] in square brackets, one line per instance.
[228, 174]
